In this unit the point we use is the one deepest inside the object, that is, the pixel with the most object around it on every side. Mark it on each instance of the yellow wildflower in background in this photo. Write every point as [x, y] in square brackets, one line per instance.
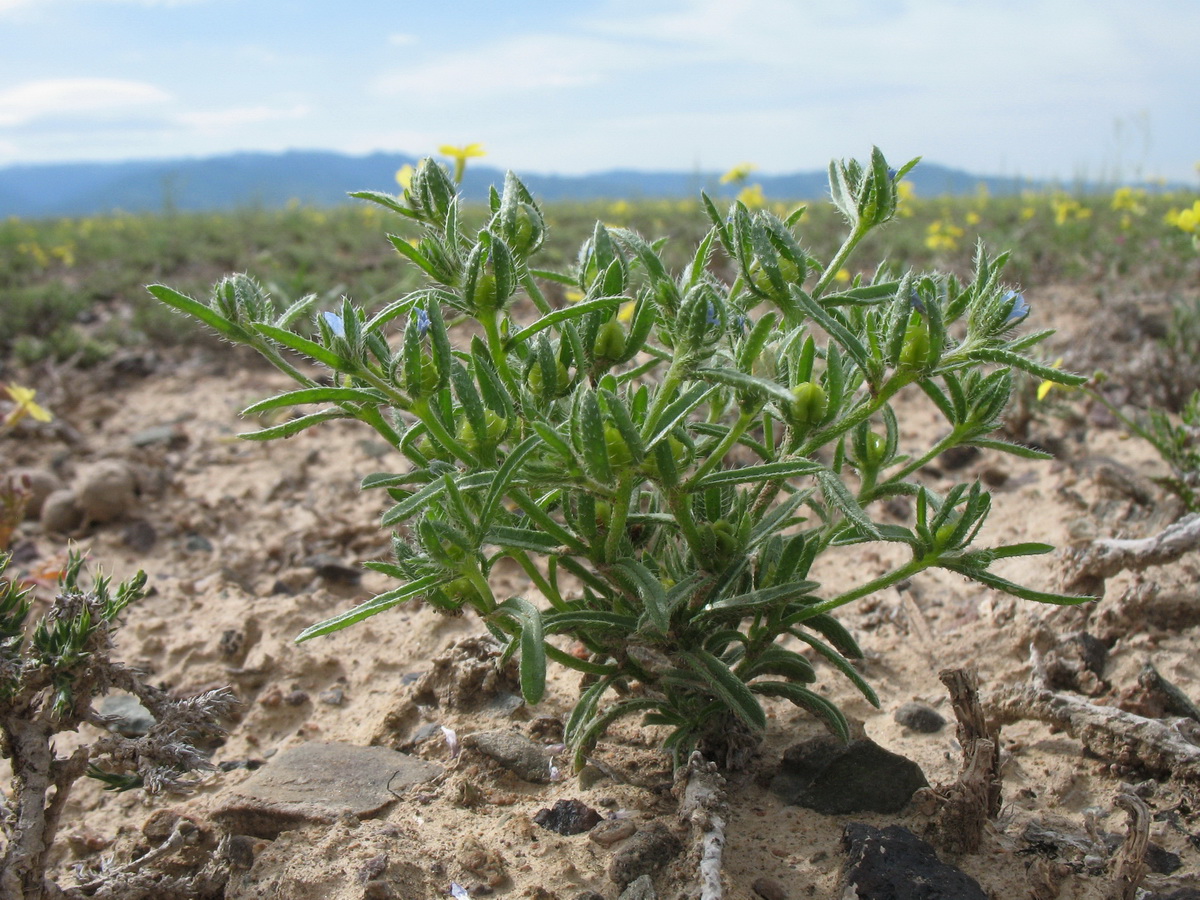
[23, 397]
[1187, 219]
[1046, 386]
[973, 218]
[906, 193]
[460, 155]
[1068, 209]
[942, 235]
[1127, 199]
[404, 176]
[738, 174]
[752, 196]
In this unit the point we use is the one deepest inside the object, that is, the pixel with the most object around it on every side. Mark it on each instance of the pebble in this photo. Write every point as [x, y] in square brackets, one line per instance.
[769, 888]
[106, 491]
[170, 436]
[197, 543]
[319, 783]
[132, 719]
[568, 817]
[893, 862]
[641, 888]
[61, 513]
[833, 778]
[332, 697]
[139, 536]
[644, 853]
[514, 752]
[920, 717]
[40, 484]
[611, 831]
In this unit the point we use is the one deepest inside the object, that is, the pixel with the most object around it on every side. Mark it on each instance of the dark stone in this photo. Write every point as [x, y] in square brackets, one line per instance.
[769, 888]
[170, 436]
[920, 717]
[643, 854]
[330, 569]
[1160, 860]
[197, 543]
[139, 536]
[319, 783]
[568, 817]
[833, 778]
[1181, 894]
[514, 752]
[892, 863]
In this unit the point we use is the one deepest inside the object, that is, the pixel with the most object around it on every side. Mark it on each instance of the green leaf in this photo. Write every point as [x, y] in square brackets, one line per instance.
[746, 383]
[591, 443]
[197, 310]
[649, 589]
[838, 495]
[316, 395]
[385, 200]
[311, 349]
[584, 619]
[522, 539]
[504, 478]
[754, 602]
[574, 311]
[371, 607]
[533, 654]
[293, 426]
[675, 413]
[840, 663]
[728, 688]
[416, 501]
[1003, 584]
[796, 468]
[1009, 447]
[814, 703]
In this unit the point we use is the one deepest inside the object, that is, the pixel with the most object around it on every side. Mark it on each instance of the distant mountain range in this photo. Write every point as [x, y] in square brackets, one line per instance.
[271, 180]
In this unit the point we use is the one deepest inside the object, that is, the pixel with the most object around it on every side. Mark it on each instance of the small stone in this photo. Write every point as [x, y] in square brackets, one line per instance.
[482, 862]
[106, 491]
[588, 895]
[514, 752]
[612, 831]
[332, 697]
[644, 853]
[319, 783]
[920, 717]
[132, 720]
[170, 436]
[568, 817]
[893, 862]
[139, 536]
[331, 569]
[958, 457]
[994, 477]
[295, 698]
[197, 543]
[641, 888]
[589, 777]
[833, 778]
[769, 888]
[61, 513]
[1161, 861]
[40, 484]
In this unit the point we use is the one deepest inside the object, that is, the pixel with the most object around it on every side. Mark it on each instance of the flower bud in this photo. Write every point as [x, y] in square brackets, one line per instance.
[610, 341]
[809, 405]
[914, 353]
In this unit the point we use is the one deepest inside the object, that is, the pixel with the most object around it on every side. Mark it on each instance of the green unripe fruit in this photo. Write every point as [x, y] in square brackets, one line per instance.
[610, 341]
[618, 450]
[603, 515]
[788, 269]
[915, 351]
[876, 448]
[461, 590]
[484, 295]
[496, 426]
[809, 404]
[537, 382]
[941, 537]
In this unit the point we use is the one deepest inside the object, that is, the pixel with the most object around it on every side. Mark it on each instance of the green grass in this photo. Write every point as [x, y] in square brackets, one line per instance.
[59, 277]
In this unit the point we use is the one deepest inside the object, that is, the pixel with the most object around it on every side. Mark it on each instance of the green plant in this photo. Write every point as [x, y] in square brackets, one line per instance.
[685, 469]
[51, 671]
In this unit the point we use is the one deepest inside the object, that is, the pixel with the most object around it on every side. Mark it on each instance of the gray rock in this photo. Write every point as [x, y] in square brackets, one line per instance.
[833, 778]
[139, 536]
[514, 752]
[61, 513]
[131, 718]
[171, 436]
[40, 484]
[643, 854]
[769, 888]
[612, 831]
[319, 783]
[920, 717]
[640, 889]
[893, 862]
[106, 491]
[568, 817]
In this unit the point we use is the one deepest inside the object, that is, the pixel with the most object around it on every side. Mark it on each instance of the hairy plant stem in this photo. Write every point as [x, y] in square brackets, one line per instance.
[908, 570]
[839, 258]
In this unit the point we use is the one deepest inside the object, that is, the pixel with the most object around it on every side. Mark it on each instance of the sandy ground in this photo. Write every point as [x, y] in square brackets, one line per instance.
[233, 530]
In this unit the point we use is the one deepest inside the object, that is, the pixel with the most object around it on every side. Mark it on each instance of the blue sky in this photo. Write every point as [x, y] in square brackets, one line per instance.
[1038, 88]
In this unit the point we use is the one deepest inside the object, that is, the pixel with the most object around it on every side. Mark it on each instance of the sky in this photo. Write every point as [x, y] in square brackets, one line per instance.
[1064, 89]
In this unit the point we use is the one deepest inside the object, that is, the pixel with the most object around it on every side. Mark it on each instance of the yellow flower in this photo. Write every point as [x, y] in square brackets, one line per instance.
[738, 173]
[574, 296]
[625, 313]
[973, 218]
[942, 235]
[404, 176]
[1186, 219]
[753, 196]
[841, 276]
[906, 193]
[620, 208]
[1126, 199]
[460, 155]
[23, 397]
[1046, 386]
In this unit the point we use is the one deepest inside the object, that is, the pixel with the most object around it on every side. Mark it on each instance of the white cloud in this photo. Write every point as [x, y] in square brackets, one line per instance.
[83, 97]
[225, 119]
[401, 39]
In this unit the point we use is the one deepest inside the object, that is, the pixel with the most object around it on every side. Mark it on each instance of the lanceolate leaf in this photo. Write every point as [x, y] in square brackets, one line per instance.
[293, 426]
[315, 395]
[371, 607]
[813, 702]
[533, 654]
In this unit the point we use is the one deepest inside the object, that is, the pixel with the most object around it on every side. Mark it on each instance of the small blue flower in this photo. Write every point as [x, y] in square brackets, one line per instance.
[711, 318]
[915, 301]
[422, 323]
[892, 173]
[334, 321]
[1020, 309]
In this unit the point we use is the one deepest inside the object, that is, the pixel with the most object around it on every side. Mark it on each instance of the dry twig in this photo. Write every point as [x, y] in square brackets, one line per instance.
[1087, 568]
[702, 805]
